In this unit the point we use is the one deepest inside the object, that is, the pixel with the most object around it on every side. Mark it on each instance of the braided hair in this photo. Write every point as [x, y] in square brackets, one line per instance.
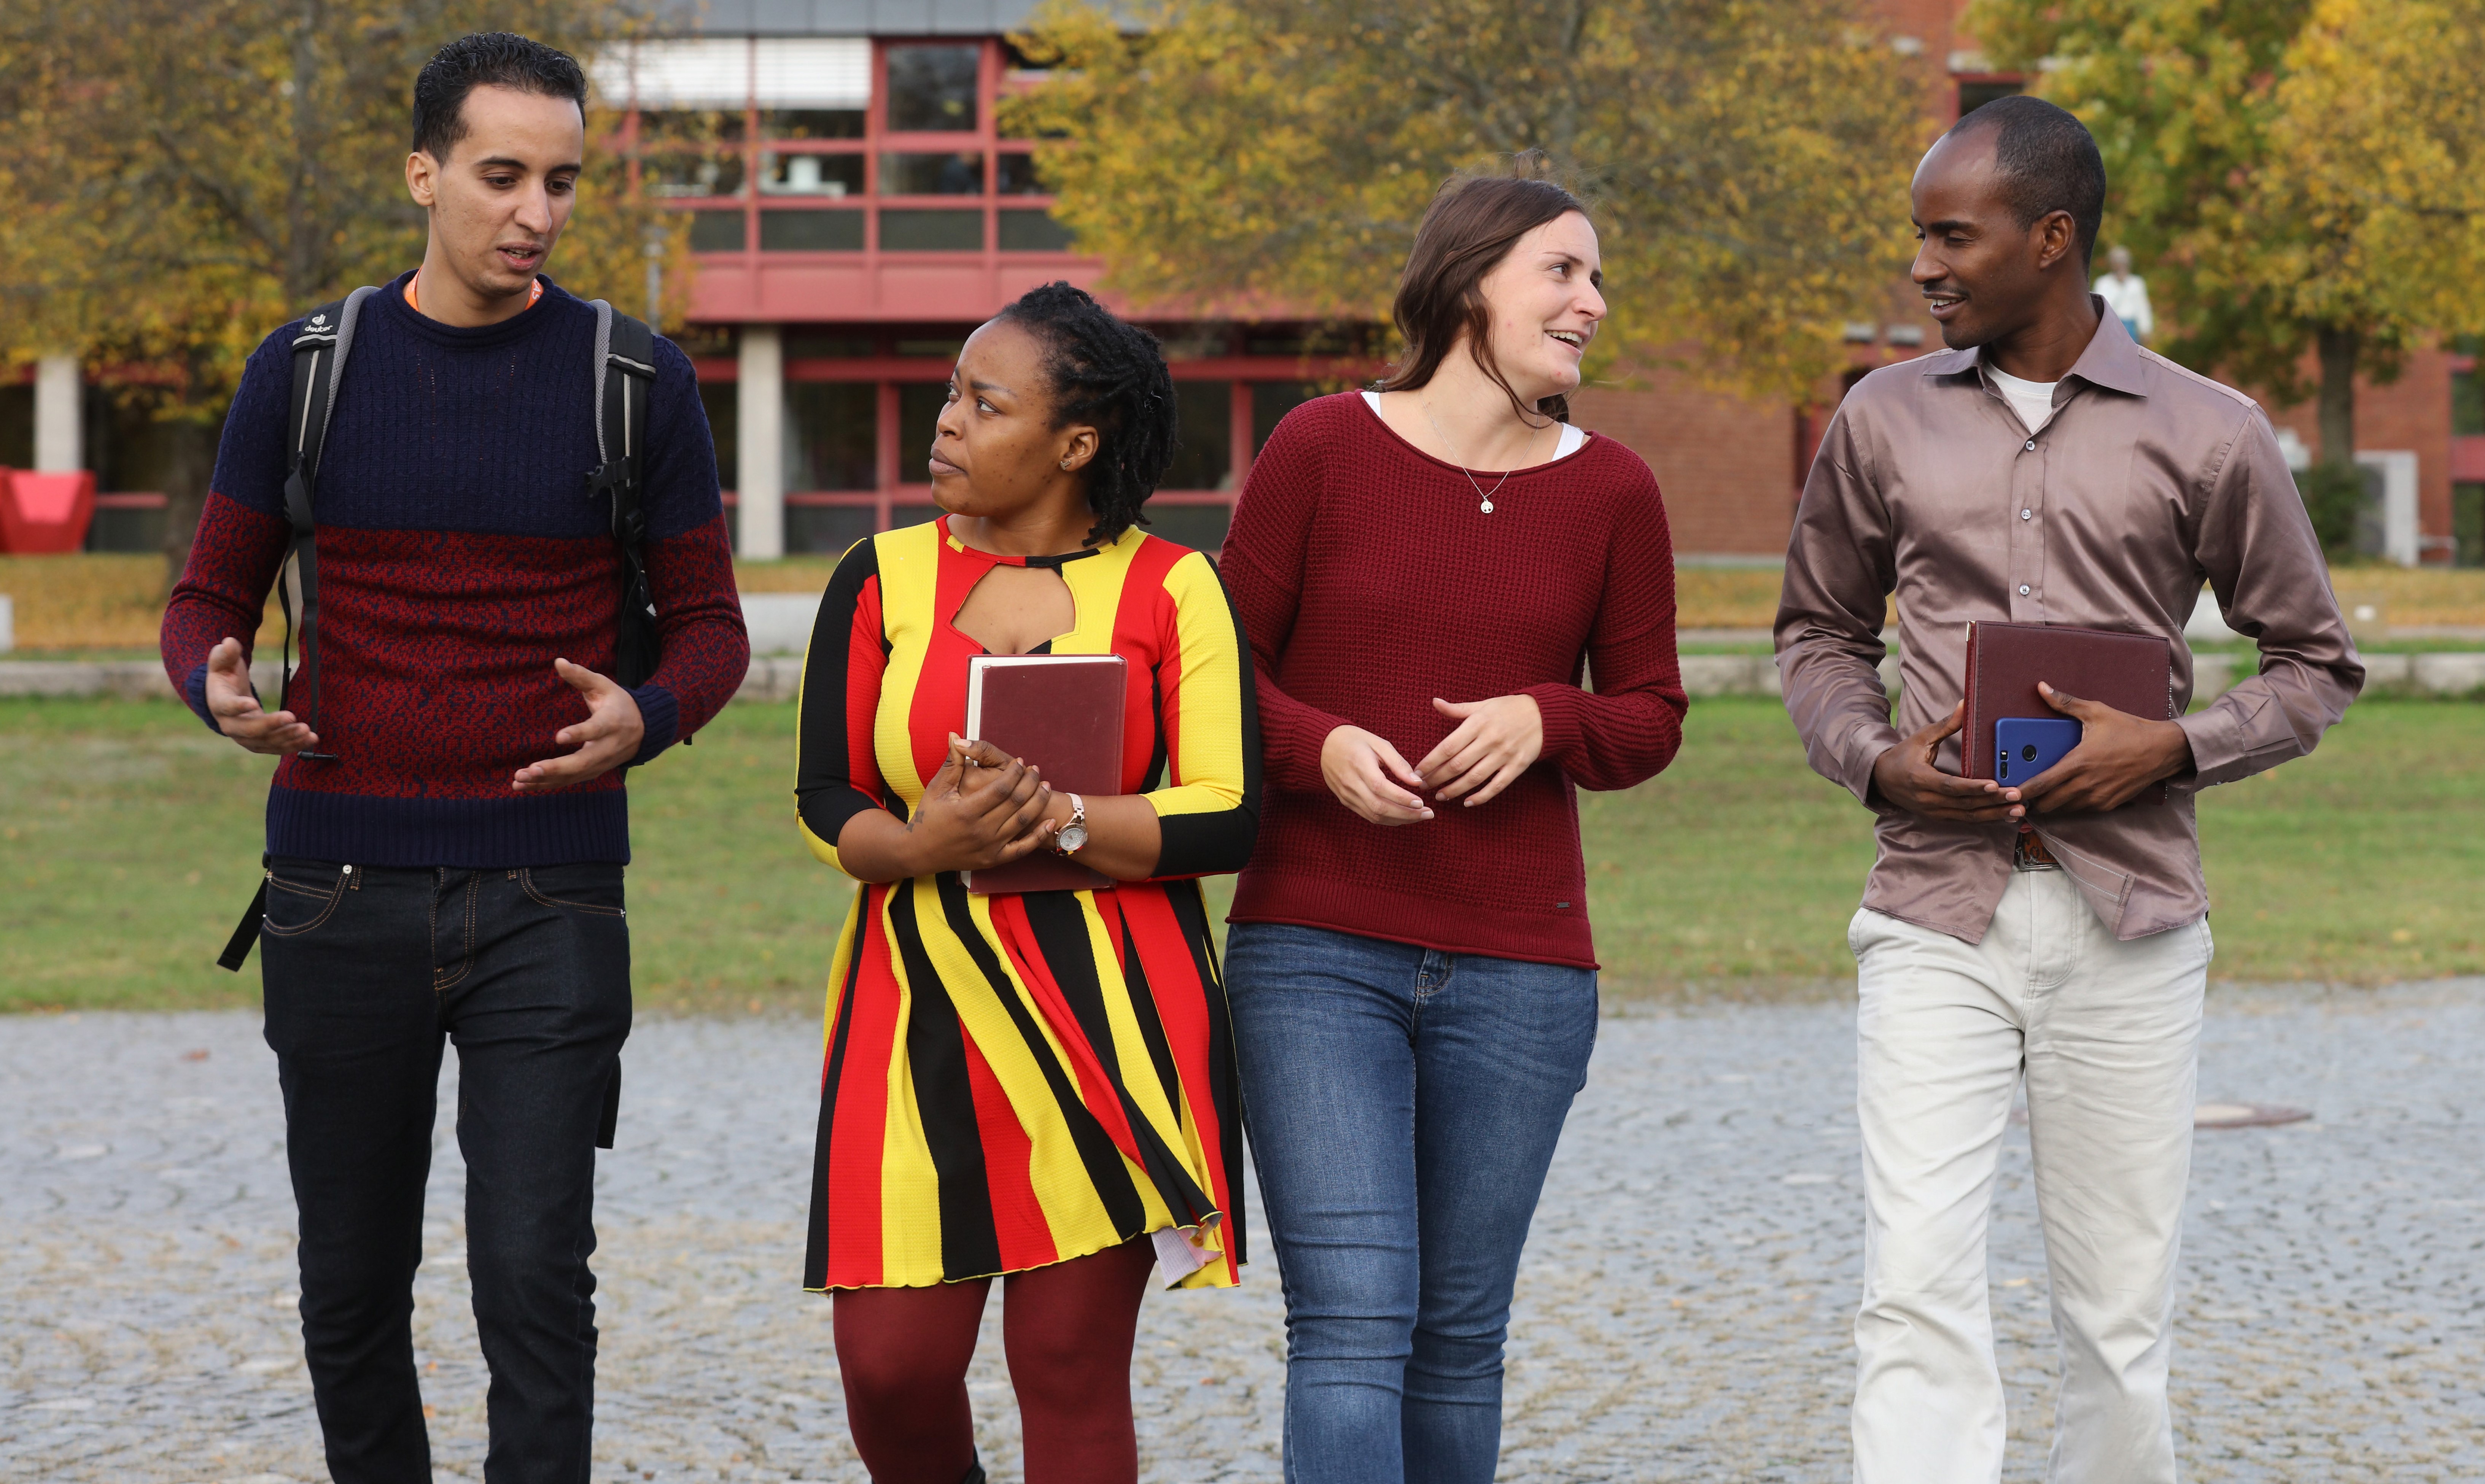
[1111, 376]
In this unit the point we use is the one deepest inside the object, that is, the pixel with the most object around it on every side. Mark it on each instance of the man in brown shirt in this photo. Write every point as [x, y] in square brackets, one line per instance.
[2045, 469]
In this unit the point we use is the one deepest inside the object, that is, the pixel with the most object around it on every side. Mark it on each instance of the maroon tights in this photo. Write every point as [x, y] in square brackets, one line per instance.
[1067, 1329]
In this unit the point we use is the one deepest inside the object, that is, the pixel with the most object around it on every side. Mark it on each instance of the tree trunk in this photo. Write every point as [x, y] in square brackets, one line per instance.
[2339, 347]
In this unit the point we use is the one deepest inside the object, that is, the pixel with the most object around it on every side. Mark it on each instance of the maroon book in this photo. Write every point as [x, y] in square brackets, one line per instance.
[2130, 672]
[1062, 714]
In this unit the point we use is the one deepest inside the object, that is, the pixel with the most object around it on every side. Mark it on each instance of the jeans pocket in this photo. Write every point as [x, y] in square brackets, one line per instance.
[596, 890]
[302, 898]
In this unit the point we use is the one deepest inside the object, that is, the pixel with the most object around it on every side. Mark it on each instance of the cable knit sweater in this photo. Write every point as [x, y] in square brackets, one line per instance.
[1369, 584]
[459, 554]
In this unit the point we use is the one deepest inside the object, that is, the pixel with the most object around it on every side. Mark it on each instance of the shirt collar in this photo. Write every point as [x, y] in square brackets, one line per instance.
[2112, 359]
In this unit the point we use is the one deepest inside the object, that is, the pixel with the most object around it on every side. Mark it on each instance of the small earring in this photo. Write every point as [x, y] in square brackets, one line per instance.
[1065, 463]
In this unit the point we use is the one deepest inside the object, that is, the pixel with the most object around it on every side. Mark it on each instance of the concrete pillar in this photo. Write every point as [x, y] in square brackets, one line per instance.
[58, 416]
[760, 442]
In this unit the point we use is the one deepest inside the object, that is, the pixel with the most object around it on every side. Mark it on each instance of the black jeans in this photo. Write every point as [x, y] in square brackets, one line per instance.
[366, 971]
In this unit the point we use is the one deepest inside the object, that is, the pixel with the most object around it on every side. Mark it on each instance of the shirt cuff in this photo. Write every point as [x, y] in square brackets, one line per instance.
[1295, 763]
[1564, 726]
[661, 717]
[1863, 748]
[2218, 752]
[195, 694]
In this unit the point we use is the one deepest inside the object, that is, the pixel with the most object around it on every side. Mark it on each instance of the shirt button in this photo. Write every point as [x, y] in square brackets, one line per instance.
[2032, 445]
[2026, 515]
[2023, 589]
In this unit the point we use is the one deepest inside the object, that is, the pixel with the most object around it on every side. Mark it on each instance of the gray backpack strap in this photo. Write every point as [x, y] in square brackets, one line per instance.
[320, 352]
[625, 369]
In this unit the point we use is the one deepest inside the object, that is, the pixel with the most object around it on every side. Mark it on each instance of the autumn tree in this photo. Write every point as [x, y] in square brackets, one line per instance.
[182, 177]
[2300, 177]
[1748, 158]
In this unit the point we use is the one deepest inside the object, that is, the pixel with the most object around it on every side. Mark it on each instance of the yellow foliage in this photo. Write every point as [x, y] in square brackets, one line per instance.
[1747, 158]
[2280, 167]
[182, 177]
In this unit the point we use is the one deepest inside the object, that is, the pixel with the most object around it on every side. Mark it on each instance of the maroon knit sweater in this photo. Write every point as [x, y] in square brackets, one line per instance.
[1369, 584]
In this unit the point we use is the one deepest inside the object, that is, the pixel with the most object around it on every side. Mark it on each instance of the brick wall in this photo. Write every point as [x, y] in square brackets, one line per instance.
[1727, 466]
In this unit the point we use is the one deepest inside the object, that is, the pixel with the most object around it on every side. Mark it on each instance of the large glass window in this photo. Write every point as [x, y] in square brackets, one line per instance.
[2466, 404]
[2467, 524]
[718, 232]
[1270, 401]
[722, 402]
[932, 175]
[811, 175]
[812, 123]
[670, 175]
[931, 231]
[918, 419]
[1033, 231]
[1205, 459]
[932, 88]
[832, 435]
[811, 232]
[658, 126]
[1014, 174]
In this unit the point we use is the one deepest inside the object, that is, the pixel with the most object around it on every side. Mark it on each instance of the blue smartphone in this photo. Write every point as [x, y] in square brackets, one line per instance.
[2024, 747]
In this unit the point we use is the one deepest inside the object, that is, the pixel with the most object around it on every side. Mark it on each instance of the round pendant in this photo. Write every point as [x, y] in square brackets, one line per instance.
[1487, 507]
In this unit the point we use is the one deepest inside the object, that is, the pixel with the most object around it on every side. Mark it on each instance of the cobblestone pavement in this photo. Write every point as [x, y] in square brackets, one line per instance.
[1683, 1313]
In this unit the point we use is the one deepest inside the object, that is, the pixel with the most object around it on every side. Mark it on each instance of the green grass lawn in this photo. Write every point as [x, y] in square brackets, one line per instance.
[129, 844]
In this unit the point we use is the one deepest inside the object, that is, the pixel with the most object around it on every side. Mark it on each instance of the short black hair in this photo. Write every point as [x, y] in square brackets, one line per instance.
[486, 59]
[1109, 374]
[2047, 161]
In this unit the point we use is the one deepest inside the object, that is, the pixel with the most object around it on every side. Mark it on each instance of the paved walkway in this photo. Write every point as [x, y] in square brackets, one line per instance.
[1683, 1316]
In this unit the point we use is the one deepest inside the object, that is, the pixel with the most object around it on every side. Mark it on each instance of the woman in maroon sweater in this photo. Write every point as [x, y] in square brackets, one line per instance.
[1422, 571]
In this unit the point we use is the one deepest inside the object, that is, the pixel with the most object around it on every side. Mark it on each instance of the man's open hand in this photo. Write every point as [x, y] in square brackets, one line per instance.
[607, 739]
[236, 708]
[1905, 776]
[2119, 755]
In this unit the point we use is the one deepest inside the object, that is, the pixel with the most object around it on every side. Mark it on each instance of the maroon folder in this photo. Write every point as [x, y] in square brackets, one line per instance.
[1063, 714]
[2130, 672]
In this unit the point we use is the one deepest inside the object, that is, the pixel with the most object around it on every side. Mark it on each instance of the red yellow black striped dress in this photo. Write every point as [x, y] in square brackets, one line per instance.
[1014, 1081]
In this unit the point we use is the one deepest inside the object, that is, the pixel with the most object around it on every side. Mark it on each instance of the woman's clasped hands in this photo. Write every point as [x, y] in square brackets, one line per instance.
[984, 808]
[1494, 741]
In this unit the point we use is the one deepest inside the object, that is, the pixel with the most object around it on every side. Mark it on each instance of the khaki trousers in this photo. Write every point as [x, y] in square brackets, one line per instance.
[2106, 1036]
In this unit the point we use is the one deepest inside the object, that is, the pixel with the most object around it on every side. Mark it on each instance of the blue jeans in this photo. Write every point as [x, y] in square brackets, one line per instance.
[1403, 1106]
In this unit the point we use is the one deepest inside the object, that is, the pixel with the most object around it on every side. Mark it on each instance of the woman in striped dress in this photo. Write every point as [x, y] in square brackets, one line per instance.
[1038, 1085]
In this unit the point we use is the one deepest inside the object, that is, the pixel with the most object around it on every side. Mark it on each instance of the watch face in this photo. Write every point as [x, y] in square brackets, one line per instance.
[1073, 837]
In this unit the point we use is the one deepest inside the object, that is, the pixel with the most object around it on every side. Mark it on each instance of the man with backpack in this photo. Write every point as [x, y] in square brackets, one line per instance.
[495, 509]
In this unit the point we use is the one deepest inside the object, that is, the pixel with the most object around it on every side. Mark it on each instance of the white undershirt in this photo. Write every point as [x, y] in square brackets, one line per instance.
[2031, 401]
[1573, 439]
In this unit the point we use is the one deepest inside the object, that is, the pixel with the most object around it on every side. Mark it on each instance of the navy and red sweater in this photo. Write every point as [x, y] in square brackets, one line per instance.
[459, 554]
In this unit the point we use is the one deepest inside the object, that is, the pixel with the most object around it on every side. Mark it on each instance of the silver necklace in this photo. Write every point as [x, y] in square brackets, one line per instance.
[1485, 500]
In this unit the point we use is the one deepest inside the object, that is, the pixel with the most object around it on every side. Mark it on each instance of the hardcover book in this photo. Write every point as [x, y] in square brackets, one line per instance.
[1062, 714]
[2130, 672]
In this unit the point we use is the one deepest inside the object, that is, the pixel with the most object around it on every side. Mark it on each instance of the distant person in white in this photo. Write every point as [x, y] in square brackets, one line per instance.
[2126, 293]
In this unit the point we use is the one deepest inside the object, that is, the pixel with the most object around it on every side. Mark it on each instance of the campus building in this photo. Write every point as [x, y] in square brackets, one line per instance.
[856, 208]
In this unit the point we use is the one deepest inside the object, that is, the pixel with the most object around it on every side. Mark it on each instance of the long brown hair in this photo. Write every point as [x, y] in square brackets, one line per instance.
[1473, 223]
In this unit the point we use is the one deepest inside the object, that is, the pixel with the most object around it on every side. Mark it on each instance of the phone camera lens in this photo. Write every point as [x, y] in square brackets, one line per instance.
[2028, 753]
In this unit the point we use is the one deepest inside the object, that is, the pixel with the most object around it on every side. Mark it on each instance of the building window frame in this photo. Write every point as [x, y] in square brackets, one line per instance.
[902, 492]
[761, 154]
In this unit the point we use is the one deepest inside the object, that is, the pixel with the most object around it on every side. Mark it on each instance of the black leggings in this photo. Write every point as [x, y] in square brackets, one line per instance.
[1067, 1329]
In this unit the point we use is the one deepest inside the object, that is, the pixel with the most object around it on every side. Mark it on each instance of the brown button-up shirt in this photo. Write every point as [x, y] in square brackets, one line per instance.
[2147, 479]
